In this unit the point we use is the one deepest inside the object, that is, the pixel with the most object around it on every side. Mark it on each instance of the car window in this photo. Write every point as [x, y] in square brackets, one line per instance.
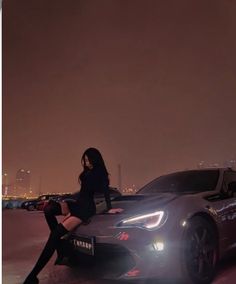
[183, 182]
[233, 176]
[229, 177]
[42, 198]
[51, 196]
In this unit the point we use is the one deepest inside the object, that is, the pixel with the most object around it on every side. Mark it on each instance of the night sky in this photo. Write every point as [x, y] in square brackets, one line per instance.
[151, 84]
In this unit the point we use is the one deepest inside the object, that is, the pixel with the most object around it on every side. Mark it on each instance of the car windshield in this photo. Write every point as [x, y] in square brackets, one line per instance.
[183, 182]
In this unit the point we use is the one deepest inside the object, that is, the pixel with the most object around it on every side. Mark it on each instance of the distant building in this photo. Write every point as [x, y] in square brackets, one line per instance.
[22, 184]
[5, 184]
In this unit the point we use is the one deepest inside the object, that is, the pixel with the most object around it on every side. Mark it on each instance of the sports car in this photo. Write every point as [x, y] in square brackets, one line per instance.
[178, 226]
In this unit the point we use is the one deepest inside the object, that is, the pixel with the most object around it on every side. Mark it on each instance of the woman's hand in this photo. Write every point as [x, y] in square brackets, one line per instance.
[115, 210]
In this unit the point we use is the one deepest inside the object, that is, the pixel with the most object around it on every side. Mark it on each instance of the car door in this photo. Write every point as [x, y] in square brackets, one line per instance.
[229, 203]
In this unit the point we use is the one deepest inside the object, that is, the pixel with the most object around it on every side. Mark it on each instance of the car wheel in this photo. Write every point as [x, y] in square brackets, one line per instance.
[30, 208]
[200, 251]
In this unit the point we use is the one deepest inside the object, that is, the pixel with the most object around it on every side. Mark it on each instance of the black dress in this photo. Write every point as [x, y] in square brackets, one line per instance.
[92, 181]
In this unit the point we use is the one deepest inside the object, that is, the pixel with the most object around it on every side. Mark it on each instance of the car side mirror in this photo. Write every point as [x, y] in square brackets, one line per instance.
[232, 186]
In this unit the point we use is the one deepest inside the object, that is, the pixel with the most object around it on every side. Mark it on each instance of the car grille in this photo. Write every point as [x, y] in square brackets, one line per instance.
[109, 261]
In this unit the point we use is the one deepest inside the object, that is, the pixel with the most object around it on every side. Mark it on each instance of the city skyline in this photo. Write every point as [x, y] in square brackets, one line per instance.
[9, 184]
[20, 185]
[151, 85]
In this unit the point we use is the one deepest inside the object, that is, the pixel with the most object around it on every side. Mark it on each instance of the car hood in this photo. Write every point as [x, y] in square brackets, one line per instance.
[131, 205]
[135, 204]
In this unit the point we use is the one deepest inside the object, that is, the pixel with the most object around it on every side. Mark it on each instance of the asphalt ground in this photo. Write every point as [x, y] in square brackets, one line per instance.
[23, 236]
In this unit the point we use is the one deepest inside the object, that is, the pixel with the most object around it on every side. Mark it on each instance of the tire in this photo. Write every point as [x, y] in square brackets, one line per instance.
[31, 208]
[200, 252]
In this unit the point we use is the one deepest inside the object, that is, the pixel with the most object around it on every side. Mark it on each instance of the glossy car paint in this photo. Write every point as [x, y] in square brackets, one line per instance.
[158, 253]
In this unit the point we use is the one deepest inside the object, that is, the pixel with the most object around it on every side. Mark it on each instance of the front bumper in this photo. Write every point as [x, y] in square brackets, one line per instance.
[134, 257]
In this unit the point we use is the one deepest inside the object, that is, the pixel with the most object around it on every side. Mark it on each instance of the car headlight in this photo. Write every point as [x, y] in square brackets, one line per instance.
[148, 221]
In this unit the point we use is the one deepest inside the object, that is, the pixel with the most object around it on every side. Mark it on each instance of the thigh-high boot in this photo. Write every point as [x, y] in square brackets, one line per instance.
[51, 210]
[50, 247]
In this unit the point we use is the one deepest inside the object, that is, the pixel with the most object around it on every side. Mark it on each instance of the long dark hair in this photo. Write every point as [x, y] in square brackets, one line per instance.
[96, 159]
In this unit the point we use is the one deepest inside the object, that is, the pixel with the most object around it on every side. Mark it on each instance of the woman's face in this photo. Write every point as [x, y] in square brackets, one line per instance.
[87, 163]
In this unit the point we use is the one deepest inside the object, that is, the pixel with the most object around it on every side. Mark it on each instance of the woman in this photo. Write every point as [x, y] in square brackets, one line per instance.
[94, 178]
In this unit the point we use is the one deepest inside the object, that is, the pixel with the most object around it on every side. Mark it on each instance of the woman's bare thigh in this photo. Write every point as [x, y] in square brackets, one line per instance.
[64, 208]
[71, 222]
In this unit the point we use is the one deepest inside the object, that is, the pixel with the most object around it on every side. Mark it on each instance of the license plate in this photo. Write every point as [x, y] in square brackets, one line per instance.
[84, 244]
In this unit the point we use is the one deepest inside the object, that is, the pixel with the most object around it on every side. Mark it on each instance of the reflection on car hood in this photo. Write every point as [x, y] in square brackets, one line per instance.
[135, 203]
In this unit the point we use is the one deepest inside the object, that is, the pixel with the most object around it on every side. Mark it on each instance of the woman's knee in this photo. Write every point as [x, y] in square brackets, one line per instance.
[71, 223]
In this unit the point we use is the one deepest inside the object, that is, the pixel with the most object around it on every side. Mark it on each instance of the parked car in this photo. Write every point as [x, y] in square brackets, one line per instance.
[178, 226]
[44, 199]
[99, 197]
[35, 204]
[11, 202]
[57, 197]
[30, 204]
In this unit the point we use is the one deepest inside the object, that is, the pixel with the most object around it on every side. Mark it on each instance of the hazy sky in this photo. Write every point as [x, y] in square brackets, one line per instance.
[149, 83]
